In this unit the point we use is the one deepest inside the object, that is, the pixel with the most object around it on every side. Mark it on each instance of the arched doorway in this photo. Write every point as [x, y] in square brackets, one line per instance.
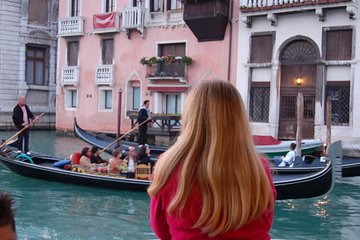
[298, 59]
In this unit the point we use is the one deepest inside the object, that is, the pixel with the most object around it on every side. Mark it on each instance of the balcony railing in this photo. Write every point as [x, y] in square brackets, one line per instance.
[104, 75]
[72, 26]
[174, 70]
[171, 17]
[258, 5]
[133, 17]
[175, 15]
[107, 22]
[70, 75]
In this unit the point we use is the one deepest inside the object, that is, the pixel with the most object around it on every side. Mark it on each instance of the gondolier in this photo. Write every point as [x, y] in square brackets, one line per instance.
[21, 118]
[143, 115]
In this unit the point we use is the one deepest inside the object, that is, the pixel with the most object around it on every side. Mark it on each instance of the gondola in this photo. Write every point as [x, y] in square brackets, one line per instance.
[271, 148]
[103, 141]
[350, 167]
[40, 166]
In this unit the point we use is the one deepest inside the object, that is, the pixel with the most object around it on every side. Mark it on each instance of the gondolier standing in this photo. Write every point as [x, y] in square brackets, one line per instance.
[143, 115]
[21, 118]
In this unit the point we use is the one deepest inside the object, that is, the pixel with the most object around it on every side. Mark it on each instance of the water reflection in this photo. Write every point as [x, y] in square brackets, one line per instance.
[321, 206]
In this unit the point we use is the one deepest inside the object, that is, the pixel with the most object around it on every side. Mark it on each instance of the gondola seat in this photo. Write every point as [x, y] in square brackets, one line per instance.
[143, 171]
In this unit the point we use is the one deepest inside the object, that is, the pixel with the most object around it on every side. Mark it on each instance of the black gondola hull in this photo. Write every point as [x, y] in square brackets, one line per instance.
[288, 186]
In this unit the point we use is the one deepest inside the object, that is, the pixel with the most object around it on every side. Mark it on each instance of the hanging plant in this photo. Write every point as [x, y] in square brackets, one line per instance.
[168, 59]
[186, 60]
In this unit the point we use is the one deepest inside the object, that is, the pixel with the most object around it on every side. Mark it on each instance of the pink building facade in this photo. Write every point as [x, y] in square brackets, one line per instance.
[99, 67]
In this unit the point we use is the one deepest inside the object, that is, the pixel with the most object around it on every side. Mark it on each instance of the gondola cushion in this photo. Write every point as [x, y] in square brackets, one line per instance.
[61, 164]
[75, 158]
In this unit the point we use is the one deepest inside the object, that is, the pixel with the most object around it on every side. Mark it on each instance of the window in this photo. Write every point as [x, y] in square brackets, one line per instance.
[172, 103]
[176, 69]
[107, 51]
[261, 48]
[136, 98]
[259, 101]
[72, 53]
[74, 8]
[156, 5]
[36, 65]
[70, 98]
[105, 99]
[38, 12]
[339, 93]
[133, 95]
[174, 5]
[137, 3]
[339, 44]
[110, 6]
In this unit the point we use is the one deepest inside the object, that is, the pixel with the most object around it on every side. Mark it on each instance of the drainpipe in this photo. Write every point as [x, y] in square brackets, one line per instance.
[230, 39]
[119, 114]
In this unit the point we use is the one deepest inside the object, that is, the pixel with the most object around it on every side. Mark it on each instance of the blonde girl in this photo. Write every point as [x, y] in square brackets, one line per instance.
[212, 183]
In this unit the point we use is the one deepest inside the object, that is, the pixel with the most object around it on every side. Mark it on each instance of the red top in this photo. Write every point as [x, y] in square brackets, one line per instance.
[171, 227]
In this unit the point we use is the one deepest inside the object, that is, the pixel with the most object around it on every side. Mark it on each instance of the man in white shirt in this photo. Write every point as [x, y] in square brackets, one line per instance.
[289, 158]
[131, 161]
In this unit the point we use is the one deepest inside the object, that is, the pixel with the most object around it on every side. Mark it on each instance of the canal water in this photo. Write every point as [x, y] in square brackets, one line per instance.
[51, 210]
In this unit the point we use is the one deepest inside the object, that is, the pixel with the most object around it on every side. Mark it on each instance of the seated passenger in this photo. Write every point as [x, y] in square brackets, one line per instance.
[289, 158]
[131, 161]
[95, 156]
[85, 159]
[115, 162]
[143, 154]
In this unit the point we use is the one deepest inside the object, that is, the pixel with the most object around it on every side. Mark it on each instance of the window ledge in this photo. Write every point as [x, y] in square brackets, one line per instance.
[340, 62]
[106, 110]
[39, 87]
[258, 65]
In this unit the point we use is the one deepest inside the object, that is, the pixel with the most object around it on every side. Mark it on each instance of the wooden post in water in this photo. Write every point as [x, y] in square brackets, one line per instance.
[118, 129]
[328, 124]
[300, 118]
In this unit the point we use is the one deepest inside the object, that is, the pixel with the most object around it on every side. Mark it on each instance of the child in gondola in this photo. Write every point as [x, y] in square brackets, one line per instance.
[115, 162]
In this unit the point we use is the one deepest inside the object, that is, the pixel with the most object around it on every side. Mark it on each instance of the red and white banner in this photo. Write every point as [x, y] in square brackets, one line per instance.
[104, 21]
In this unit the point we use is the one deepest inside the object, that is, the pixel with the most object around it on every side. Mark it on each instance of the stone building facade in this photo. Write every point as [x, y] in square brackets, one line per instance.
[28, 46]
[288, 47]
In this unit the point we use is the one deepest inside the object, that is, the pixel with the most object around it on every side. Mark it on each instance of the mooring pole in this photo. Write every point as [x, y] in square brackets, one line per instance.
[300, 119]
[328, 124]
[119, 114]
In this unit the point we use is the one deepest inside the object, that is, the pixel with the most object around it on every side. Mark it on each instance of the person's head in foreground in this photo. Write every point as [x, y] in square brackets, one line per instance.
[7, 222]
[212, 182]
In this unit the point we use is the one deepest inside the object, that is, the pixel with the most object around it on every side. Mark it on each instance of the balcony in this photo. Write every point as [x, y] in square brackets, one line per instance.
[271, 8]
[104, 75]
[70, 75]
[106, 23]
[160, 18]
[133, 18]
[160, 71]
[214, 13]
[175, 16]
[72, 26]
[166, 67]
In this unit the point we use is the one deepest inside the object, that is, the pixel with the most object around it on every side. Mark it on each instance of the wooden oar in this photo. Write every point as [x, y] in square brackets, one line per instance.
[118, 139]
[20, 131]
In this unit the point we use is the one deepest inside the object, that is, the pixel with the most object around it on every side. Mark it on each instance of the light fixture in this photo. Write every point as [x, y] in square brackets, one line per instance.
[299, 81]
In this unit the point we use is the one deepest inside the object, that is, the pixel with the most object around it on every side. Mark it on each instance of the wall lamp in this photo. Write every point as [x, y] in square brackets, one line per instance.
[299, 81]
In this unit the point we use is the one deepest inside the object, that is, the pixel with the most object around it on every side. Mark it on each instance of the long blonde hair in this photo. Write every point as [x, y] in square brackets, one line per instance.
[215, 151]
